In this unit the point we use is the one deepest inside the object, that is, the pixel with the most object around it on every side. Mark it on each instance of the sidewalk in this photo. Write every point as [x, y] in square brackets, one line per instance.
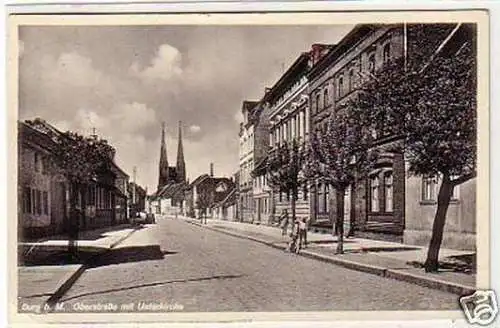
[44, 272]
[387, 259]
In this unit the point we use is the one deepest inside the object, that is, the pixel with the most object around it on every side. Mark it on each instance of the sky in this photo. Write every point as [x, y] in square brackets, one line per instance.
[124, 81]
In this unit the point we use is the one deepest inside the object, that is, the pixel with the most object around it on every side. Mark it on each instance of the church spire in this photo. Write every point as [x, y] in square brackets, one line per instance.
[163, 167]
[181, 165]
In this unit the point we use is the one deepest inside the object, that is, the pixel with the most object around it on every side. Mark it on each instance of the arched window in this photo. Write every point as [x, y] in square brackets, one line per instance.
[387, 52]
[340, 91]
[374, 193]
[371, 63]
[351, 79]
[325, 97]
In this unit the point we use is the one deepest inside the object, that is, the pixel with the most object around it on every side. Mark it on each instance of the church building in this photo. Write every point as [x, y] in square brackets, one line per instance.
[169, 196]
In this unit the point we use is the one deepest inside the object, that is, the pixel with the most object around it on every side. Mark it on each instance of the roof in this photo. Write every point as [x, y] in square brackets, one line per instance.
[230, 199]
[248, 105]
[300, 65]
[171, 190]
[198, 180]
[347, 42]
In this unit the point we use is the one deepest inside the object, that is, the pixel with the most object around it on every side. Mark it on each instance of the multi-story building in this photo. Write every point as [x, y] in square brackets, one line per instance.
[390, 201]
[289, 120]
[246, 159]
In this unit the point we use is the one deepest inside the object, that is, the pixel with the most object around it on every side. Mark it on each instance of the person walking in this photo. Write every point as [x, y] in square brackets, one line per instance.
[284, 222]
[302, 224]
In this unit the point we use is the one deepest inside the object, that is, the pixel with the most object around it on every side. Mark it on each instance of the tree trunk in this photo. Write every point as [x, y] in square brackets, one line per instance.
[292, 204]
[340, 221]
[444, 196]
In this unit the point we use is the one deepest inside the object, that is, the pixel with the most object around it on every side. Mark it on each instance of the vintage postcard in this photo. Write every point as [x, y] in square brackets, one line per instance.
[249, 166]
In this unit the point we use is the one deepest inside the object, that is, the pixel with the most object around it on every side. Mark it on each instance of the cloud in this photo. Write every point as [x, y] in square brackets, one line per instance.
[195, 128]
[71, 69]
[165, 65]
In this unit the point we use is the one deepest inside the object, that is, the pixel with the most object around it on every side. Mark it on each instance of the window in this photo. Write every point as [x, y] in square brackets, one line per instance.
[305, 192]
[388, 191]
[317, 103]
[371, 63]
[325, 97]
[340, 86]
[27, 200]
[321, 199]
[45, 203]
[38, 202]
[351, 79]
[37, 163]
[327, 191]
[429, 188]
[374, 199]
[387, 52]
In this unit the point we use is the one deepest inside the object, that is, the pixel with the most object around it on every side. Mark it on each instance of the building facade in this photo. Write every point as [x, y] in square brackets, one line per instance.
[45, 194]
[290, 120]
[389, 201]
[246, 161]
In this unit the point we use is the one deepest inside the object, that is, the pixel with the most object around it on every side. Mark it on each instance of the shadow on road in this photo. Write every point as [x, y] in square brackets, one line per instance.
[155, 284]
[96, 259]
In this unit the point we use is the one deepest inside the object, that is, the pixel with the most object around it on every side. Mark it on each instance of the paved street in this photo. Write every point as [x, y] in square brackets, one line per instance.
[176, 263]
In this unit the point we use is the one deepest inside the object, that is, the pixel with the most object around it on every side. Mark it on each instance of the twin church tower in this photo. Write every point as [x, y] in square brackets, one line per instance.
[171, 174]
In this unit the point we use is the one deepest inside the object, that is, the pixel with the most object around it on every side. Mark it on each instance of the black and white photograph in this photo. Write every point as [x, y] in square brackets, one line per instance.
[250, 165]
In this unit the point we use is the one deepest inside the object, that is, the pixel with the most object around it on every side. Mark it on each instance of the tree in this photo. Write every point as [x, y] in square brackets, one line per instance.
[431, 104]
[205, 200]
[81, 160]
[283, 168]
[339, 157]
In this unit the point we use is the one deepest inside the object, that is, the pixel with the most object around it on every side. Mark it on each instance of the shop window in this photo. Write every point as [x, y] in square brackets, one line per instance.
[374, 194]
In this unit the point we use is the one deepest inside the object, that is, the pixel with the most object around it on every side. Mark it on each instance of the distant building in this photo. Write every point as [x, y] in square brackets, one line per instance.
[169, 196]
[246, 159]
[211, 197]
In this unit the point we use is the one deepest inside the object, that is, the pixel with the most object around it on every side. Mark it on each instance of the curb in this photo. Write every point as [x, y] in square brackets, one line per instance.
[73, 277]
[428, 282]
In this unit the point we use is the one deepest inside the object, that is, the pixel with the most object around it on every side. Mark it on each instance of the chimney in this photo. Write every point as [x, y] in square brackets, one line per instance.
[212, 170]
